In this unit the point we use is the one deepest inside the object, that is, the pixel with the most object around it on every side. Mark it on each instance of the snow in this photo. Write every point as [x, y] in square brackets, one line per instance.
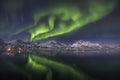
[81, 44]
[52, 43]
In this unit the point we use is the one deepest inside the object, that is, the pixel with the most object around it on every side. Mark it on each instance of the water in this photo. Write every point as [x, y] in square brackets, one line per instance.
[100, 67]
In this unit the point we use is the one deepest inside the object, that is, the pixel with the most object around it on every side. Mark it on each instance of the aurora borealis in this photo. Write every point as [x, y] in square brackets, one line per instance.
[52, 19]
[68, 21]
[41, 67]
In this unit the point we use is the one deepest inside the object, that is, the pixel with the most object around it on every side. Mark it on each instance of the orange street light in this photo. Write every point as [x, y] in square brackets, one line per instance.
[9, 50]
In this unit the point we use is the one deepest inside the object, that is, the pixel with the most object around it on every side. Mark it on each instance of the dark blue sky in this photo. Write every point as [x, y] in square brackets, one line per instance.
[106, 30]
[19, 14]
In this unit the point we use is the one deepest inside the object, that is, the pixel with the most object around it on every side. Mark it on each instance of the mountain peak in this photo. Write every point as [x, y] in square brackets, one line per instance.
[15, 41]
[82, 43]
[52, 43]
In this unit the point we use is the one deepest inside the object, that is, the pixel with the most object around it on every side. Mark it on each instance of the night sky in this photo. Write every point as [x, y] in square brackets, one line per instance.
[62, 20]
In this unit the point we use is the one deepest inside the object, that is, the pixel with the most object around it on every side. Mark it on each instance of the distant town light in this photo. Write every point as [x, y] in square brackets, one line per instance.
[9, 49]
[19, 50]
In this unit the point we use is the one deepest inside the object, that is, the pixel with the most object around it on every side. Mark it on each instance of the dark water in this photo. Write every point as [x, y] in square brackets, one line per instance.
[8, 72]
[102, 67]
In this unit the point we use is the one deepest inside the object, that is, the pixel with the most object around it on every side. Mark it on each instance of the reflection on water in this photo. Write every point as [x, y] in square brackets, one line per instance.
[61, 66]
[38, 68]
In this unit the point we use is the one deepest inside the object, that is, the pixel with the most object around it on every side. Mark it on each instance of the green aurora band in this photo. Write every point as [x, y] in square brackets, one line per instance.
[40, 68]
[65, 18]
[45, 69]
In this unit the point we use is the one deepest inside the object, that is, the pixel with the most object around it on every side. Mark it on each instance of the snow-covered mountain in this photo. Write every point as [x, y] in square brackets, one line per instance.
[52, 43]
[18, 43]
[80, 44]
[15, 42]
[57, 44]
